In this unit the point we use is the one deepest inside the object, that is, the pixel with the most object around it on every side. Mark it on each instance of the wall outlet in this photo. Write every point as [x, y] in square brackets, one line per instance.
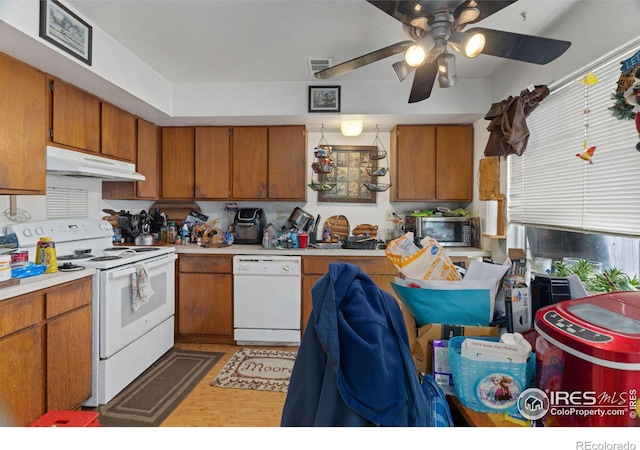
[390, 215]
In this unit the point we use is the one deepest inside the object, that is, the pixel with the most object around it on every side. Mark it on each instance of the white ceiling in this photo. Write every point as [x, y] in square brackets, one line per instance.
[261, 41]
[219, 41]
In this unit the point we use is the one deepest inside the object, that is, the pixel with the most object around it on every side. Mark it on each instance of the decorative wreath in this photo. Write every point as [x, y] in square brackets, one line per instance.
[627, 95]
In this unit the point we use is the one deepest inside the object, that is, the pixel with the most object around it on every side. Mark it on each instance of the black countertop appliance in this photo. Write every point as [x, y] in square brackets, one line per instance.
[249, 224]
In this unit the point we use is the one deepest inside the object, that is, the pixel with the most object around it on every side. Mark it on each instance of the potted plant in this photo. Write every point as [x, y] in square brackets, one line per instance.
[609, 280]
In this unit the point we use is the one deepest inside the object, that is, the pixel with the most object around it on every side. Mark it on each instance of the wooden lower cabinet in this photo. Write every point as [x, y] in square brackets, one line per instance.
[378, 268]
[45, 349]
[205, 299]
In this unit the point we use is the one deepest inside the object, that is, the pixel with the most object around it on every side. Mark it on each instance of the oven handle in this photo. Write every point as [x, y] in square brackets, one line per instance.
[161, 261]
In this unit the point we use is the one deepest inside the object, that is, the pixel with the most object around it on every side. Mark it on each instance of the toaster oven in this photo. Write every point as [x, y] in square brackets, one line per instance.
[448, 231]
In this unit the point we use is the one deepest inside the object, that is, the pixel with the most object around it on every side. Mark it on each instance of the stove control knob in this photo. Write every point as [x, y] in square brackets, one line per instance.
[27, 232]
[40, 231]
[104, 226]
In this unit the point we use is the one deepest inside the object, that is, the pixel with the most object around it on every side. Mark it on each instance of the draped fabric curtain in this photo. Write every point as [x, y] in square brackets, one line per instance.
[549, 186]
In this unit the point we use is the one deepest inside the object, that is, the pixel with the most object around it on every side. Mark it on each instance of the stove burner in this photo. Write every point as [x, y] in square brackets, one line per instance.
[105, 258]
[76, 256]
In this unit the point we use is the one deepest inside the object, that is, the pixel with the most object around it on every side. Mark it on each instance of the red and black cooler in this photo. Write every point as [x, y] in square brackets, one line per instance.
[588, 360]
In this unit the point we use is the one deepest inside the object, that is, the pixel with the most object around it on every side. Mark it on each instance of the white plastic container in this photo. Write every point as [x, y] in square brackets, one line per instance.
[5, 267]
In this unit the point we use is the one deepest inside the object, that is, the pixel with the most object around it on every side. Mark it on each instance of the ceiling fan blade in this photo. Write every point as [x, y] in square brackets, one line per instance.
[363, 60]
[521, 47]
[423, 82]
[403, 11]
[486, 7]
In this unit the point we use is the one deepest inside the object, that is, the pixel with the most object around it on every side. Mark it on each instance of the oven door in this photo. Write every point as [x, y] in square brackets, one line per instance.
[119, 323]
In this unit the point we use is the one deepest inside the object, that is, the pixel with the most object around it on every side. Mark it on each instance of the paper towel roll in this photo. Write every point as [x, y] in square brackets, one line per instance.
[491, 218]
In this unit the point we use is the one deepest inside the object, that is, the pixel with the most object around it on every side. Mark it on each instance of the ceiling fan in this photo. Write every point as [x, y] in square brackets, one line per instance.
[433, 27]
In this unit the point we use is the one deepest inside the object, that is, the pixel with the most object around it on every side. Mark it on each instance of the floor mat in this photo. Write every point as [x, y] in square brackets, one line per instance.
[151, 397]
[263, 370]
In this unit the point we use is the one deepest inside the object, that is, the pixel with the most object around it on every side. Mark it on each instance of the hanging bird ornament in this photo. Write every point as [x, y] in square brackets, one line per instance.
[587, 154]
[589, 80]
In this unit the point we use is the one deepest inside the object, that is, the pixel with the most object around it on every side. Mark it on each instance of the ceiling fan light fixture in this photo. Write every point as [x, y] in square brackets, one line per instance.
[470, 45]
[447, 70]
[351, 128]
[402, 69]
[416, 55]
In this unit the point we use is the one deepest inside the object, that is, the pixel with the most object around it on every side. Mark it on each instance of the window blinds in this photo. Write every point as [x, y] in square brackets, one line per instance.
[550, 186]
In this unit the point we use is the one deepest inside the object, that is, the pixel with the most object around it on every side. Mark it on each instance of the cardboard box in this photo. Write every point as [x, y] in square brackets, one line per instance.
[422, 350]
[442, 367]
[520, 303]
[516, 303]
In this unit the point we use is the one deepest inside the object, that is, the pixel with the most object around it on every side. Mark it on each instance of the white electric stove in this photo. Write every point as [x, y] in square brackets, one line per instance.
[128, 336]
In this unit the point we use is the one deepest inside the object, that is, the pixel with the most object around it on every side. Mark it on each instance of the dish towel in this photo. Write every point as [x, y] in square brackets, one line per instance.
[141, 290]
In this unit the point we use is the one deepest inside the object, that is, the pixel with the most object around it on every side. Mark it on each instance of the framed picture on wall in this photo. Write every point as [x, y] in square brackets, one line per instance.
[349, 175]
[324, 99]
[65, 30]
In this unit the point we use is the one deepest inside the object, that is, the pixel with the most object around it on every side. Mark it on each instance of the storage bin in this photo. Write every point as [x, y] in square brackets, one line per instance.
[58, 418]
[477, 383]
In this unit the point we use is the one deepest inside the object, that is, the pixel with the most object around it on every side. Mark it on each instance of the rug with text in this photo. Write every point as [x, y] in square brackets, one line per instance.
[263, 370]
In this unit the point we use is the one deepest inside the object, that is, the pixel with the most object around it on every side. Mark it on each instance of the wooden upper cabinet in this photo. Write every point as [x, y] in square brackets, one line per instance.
[212, 162]
[432, 162]
[454, 163]
[148, 160]
[287, 163]
[75, 117]
[23, 128]
[178, 159]
[249, 162]
[147, 163]
[118, 133]
[413, 157]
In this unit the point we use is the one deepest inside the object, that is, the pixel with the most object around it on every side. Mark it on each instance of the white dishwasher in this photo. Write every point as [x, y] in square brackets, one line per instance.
[266, 300]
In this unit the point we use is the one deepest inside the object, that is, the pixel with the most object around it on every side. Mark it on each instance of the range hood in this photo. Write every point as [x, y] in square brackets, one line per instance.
[76, 164]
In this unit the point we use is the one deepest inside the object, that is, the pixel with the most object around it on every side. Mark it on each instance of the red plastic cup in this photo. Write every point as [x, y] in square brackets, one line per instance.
[303, 240]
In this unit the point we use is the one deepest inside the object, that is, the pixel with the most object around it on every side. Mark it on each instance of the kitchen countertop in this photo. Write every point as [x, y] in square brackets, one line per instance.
[237, 249]
[44, 281]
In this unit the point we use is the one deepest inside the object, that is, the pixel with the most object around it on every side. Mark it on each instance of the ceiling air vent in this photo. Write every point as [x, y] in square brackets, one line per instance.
[318, 64]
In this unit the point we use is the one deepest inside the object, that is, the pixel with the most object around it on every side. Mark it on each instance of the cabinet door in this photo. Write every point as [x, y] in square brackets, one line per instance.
[454, 163]
[178, 162]
[287, 163]
[118, 133]
[148, 160]
[147, 163]
[213, 162]
[22, 377]
[205, 306]
[76, 117]
[249, 163]
[413, 163]
[23, 130]
[69, 359]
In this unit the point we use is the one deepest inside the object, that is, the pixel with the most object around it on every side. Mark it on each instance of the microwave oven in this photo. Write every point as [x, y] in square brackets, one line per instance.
[448, 231]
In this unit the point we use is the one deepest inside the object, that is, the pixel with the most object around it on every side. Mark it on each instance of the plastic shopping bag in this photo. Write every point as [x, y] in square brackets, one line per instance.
[427, 263]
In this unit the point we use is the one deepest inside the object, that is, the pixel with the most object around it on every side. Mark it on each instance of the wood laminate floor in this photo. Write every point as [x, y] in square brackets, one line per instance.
[208, 406]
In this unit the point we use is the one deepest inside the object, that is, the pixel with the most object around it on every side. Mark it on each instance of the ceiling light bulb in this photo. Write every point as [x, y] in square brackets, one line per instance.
[474, 46]
[351, 127]
[415, 56]
[470, 45]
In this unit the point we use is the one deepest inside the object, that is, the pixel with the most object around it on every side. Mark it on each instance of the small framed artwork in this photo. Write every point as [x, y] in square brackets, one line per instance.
[65, 30]
[351, 163]
[324, 99]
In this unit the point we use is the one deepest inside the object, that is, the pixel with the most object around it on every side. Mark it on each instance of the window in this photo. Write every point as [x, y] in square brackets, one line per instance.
[566, 206]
